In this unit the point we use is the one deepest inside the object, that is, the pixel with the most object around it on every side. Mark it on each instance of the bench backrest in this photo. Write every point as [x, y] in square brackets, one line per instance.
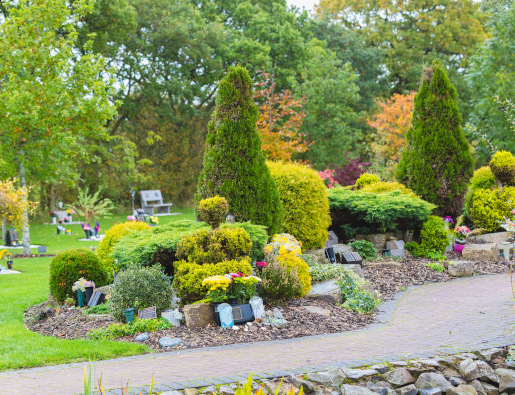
[151, 196]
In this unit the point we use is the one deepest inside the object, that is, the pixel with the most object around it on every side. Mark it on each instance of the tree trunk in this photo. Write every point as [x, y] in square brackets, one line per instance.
[3, 231]
[52, 197]
[26, 233]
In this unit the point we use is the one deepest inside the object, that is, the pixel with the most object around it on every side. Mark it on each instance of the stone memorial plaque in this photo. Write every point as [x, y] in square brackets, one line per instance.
[236, 313]
[148, 313]
[348, 257]
[400, 243]
[332, 239]
[392, 245]
[356, 256]
[400, 252]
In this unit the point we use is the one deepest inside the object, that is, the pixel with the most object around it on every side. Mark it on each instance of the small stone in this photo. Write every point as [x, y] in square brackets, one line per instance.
[450, 372]
[468, 355]
[191, 391]
[433, 380]
[318, 310]
[380, 368]
[429, 362]
[356, 374]
[399, 363]
[225, 390]
[328, 291]
[347, 389]
[235, 327]
[455, 381]
[415, 364]
[263, 328]
[490, 354]
[472, 370]
[209, 390]
[306, 385]
[429, 391]
[233, 386]
[416, 372]
[463, 389]
[383, 384]
[478, 387]
[173, 392]
[379, 390]
[407, 390]
[230, 219]
[142, 337]
[170, 342]
[490, 389]
[398, 377]
[331, 378]
[249, 323]
[510, 364]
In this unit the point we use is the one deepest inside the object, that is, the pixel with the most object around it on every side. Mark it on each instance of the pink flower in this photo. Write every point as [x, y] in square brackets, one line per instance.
[513, 212]
[261, 264]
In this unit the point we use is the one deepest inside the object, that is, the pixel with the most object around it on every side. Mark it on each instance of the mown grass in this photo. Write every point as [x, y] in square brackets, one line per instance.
[21, 348]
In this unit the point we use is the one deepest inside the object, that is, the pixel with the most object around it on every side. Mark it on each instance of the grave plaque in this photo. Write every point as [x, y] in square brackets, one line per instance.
[352, 258]
[96, 299]
[41, 249]
[148, 313]
[11, 237]
[399, 248]
[332, 239]
[392, 245]
[236, 313]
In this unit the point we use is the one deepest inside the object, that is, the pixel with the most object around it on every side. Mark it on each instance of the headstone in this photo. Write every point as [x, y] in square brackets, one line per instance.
[148, 313]
[396, 248]
[332, 239]
[256, 303]
[199, 315]
[96, 299]
[41, 249]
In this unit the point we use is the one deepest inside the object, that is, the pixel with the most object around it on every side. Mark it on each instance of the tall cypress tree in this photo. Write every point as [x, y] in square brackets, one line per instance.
[234, 166]
[436, 162]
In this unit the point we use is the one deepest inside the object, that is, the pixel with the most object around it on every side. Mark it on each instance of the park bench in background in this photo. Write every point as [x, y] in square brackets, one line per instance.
[151, 200]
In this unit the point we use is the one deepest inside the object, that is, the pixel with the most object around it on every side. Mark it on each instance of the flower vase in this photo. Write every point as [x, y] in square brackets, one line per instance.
[232, 301]
[459, 245]
[81, 295]
[129, 315]
[54, 220]
[89, 292]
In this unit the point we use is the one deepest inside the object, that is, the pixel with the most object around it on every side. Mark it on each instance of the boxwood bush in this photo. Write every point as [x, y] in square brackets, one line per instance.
[503, 167]
[149, 286]
[369, 212]
[366, 179]
[488, 207]
[434, 238]
[483, 178]
[305, 204]
[69, 266]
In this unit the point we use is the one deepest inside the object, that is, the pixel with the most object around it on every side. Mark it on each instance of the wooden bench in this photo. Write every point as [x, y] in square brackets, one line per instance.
[151, 200]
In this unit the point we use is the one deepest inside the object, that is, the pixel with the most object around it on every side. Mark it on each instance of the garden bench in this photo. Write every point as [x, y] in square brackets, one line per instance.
[151, 200]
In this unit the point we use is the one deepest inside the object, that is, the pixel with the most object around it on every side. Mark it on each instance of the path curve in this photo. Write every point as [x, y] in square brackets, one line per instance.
[471, 313]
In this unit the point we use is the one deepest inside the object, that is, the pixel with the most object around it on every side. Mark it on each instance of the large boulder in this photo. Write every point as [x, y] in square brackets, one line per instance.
[491, 353]
[433, 380]
[378, 240]
[199, 315]
[461, 268]
[496, 238]
[481, 252]
[319, 253]
[507, 381]
[329, 291]
[472, 370]
[331, 378]
[398, 377]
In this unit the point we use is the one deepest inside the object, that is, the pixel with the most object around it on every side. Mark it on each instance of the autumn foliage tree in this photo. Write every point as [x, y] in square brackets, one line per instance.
[280, 117]
[391, 124]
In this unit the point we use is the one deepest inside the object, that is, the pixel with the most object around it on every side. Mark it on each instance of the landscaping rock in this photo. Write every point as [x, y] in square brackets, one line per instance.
[378, 240]
[173, 392]
[225, 390]
[490, 389]
[387, 264]
[356, 269]
[398, 377]
[407, 390]
[429, 391]
[472, 370]
[463, 389]
[492, 353]
[381, 368]
[399, 363]
[191, 391]
[142, 337]
[318, 310]
[497, 237]
[199, 315]
[209, 390]
[379, 390]
[230, 219]
[347, 389]
[429, 362]
[306, 385]
[450, 372]
[169, 342]
[478, 387]
[319, 254]
[455, 381]
[356, 374]
[481, 252]
[328, 291]
[461, 268]
[331, 378]
[370, 289]
[433, 380]
[507, 382]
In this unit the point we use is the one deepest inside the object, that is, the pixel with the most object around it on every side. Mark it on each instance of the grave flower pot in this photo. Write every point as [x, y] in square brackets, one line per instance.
[129, 315]
[459, 245]
[89, 292]
[10, 265]
[54, 220]
[81, 295]
[217, 315]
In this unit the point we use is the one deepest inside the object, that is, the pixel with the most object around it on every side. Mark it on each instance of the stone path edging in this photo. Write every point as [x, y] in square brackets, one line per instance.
[463, 315]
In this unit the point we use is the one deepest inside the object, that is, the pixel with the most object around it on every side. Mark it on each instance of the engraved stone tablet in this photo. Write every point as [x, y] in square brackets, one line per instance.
[332, 239]
[148, 313]
[236, 313]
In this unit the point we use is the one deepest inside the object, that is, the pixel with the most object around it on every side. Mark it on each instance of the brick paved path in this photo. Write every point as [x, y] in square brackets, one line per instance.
[448, 317]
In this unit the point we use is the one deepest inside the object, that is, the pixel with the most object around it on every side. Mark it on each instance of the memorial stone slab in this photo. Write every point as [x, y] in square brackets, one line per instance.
[148, 313]
[332, 239]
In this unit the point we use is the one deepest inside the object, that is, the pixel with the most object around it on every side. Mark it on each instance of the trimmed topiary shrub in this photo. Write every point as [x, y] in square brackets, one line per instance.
[214, 246]
[366, 179]
[503, 168]
[436, 163]
[383, 187]
[213, 210]
[189, 276]
[434, 239]
[488, 207]
[234, 165]
[69, 266]
[113, 236]
[483, 178]
[139, 287]
[369, 213]
[257, 234]
[305, 203]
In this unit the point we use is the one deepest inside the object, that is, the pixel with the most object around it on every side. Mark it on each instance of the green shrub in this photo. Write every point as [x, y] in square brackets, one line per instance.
[257, 234]
[434, 239]
[483, 179]
[366, 179]
[115, 331]
[383, 187]
[103, 308]
[214, 246]
[437, 267]
[113, 236]
[364, 248]
[234, 165]
[295, 263]
[375, 213]
[69, 266]
[488, 207]
[503, 167]
[436, 163]
[188, 276]
[213, 210]
[305, 203]
[279, 282]
[140, 287]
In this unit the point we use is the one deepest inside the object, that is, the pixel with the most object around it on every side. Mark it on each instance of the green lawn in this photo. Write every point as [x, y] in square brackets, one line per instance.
[21, 348]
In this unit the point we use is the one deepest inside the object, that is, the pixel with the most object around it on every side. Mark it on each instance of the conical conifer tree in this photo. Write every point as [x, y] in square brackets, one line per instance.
[436, 162]
[234, 165]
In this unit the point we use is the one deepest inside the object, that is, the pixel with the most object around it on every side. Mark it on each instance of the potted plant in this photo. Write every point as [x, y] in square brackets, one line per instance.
[217, 292]
[80, 287]
[153, 221]
[129, 315]
[89, 287]
[53, 215]
[87, 229]
[70, 212]
[461, 233]
[9, 260]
